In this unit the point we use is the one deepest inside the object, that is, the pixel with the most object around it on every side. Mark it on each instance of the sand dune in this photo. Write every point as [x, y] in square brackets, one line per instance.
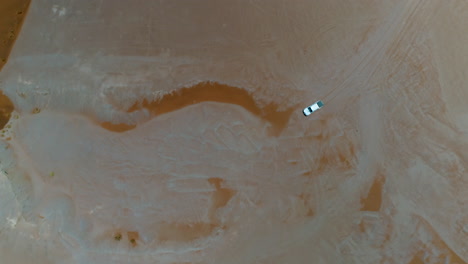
[172, 132]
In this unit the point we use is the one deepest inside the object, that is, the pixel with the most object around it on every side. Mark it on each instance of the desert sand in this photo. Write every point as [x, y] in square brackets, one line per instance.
[172, 132]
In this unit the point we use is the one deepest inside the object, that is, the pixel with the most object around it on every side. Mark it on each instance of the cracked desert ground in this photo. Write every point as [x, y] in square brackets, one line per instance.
[171, 132]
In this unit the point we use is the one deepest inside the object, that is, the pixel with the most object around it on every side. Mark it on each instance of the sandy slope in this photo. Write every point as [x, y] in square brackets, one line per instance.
[172, 132]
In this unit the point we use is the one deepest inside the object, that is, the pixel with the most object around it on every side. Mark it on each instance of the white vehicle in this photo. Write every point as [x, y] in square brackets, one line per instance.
[310, 109]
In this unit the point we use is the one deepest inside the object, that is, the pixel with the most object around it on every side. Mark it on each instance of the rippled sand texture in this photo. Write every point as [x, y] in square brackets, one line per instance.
[172, 132]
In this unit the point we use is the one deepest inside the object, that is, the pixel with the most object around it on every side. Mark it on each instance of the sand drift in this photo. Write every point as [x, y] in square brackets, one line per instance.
[173, 132]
